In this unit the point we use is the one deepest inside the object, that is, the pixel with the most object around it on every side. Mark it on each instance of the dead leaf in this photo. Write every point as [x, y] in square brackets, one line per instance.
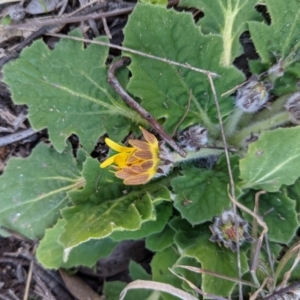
[78, 288]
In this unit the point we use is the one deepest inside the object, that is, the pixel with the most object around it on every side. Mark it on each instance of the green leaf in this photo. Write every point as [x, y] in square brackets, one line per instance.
[164, 88]
[112, 290]
[161, 240]
[4, 233]
[279, 215]
[278, 39]
[201, 194]
[95, 181]
[216, 259]
[293, 192]
[295, 275]
[263, 267]
[86, 221]
[272, 161]
[189, 235]
[194, 242]
[50, 251]
[67, 91]
[193, 277]
[5, 20]
[160, 265]
[136, 272]
[156, 2]
[35, 189]
[278, 43]
[178, 224]
[227, 19]
[155, 224]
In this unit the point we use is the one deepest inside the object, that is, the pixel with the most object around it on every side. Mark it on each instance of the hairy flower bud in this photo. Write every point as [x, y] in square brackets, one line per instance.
[192, 138]
[253, 95]
[286, 293]
[224, 230]
[293, 107]
[16, 12]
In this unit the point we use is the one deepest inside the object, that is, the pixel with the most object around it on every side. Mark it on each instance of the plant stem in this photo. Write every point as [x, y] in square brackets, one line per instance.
[203, 152]
[113, 81]
[212, 128]
[245, 120]
[231, 124]
[205, 120]
[256, 128]
[275, 107]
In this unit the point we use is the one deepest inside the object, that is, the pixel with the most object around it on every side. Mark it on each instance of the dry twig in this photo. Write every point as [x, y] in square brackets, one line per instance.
[232, 185]
[113, 81]
[15, 137]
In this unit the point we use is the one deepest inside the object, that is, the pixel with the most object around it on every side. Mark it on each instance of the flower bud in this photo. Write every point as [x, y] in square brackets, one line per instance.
[253, 95]
[192, 138]
[286, 293]
[224, 230]
[16, 12]
[293, 107]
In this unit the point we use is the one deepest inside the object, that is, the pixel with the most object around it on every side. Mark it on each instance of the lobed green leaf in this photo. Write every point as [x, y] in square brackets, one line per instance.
[113, 289]
[279, 43]
[272, 161]
[219, 260]
[279, 215]
[156, 223]
[293, 192]
[86, 221]
[34, 190]
[161, 240]
[160, 265]
[66, 91]
[193, 277]
[50, 252]
[95, 180]
[278, 39]
[165, 88]
[227, 19]
[201, 194]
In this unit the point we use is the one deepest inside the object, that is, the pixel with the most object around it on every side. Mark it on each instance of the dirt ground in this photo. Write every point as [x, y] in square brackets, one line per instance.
[21, 275]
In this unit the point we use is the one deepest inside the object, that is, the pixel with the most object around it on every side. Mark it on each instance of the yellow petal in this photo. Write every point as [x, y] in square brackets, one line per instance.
[118, 159]
[121, 159]
[107, 162]
[117, 147]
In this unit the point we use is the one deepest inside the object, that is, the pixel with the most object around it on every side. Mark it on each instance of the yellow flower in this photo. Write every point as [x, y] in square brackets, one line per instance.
[136, 164]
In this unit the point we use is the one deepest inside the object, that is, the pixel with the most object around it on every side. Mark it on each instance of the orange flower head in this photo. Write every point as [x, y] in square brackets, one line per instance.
[137, 164]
